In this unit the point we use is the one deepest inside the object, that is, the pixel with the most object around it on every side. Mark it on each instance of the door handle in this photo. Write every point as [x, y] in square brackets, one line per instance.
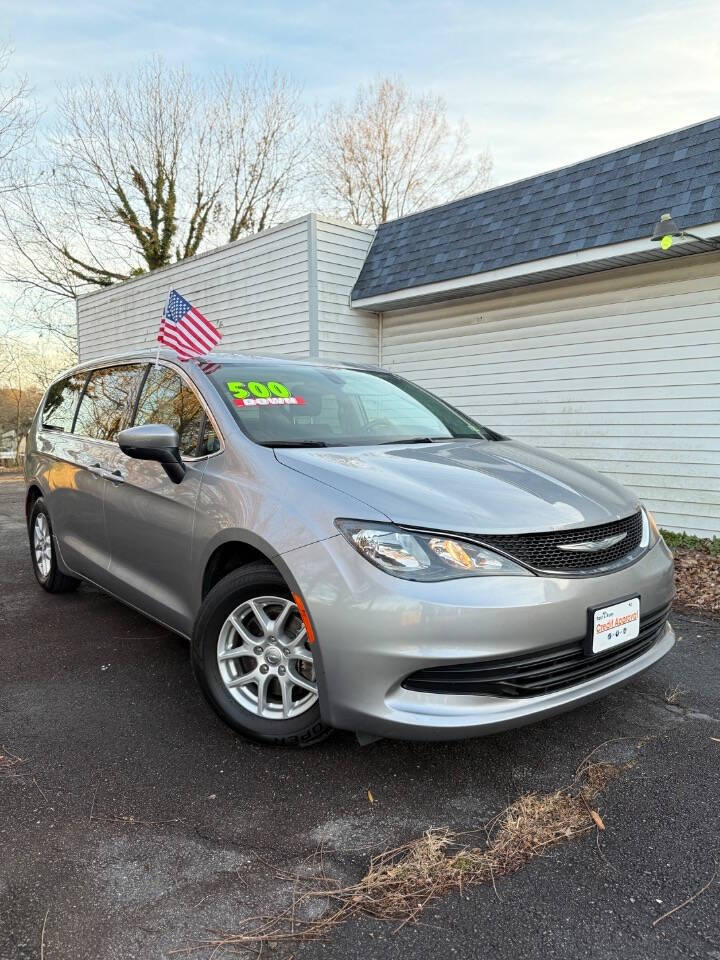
[114, 476]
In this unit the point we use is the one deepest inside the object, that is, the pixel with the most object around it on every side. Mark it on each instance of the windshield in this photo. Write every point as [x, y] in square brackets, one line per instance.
[281, 404]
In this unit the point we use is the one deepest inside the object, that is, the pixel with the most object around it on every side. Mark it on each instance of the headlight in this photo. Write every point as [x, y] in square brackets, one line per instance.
[424, 556]
[650, 532]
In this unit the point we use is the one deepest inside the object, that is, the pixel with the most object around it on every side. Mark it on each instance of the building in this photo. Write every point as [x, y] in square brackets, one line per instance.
[540, 307]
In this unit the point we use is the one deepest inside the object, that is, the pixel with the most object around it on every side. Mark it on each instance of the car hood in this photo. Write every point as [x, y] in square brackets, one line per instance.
[469, 486]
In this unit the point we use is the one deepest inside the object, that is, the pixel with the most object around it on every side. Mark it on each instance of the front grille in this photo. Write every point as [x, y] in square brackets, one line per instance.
[542, 552]
[535, 672]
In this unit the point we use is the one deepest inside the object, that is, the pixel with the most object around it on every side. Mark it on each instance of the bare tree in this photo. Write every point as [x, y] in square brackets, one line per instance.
[46, 317]
[143, 170]
[15, 415]
[27, 365]
[264, 148]
[391, 153]
[129, 180]
[137, 154]
[17, 121]
[29, 350]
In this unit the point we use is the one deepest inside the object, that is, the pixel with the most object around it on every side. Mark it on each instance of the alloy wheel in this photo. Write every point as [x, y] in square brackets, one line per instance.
[42, 545]
[265, 660]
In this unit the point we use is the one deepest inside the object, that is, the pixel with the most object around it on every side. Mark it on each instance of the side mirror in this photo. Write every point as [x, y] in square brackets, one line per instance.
[154, 441]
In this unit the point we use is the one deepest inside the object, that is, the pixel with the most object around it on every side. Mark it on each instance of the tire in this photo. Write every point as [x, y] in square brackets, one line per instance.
[273, 700]
[42, 552]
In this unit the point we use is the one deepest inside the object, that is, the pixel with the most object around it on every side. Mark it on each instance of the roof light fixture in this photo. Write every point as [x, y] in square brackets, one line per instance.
[666, 230]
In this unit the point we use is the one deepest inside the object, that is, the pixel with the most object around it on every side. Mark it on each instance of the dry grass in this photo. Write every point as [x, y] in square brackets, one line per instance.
[400, 883]
[673, 695]
[8, 760]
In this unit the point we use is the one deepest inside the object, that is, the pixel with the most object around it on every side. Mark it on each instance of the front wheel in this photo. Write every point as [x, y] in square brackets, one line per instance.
[253, 661]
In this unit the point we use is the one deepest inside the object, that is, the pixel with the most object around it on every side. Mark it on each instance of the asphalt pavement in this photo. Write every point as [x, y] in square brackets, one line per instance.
[134, 824]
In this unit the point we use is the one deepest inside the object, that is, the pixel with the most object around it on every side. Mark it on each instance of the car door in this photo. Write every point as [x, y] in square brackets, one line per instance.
[106, 401]
[56, 462]
[149, 518]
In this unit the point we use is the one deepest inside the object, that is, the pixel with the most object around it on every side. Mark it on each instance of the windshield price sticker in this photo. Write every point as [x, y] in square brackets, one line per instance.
[255, 393]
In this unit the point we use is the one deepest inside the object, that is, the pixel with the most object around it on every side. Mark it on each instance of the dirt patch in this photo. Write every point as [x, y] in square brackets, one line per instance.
[400, 883]
[697, 581]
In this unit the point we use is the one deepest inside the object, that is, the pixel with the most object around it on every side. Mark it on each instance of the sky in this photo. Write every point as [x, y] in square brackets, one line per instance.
[540, 85]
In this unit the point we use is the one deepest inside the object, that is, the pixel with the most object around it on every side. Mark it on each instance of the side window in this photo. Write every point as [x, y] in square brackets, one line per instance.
[166, 398]
[61, 402]
[107, 401]
[209, 442]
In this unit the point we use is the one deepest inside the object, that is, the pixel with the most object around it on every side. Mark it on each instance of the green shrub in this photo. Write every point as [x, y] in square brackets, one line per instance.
[686, 541]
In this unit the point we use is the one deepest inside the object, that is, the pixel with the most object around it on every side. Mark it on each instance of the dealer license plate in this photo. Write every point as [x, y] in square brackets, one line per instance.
[615, 624]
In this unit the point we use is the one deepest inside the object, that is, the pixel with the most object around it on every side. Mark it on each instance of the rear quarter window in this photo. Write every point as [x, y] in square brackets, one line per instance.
[61, 402]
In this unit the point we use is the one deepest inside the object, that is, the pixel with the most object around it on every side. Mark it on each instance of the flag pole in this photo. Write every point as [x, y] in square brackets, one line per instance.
[157, 353]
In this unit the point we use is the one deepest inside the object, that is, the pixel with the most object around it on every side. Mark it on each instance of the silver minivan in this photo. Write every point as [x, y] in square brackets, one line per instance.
[342, 548]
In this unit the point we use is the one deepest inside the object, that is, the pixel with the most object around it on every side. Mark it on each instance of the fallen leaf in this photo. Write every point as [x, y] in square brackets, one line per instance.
[697, 580]
[598, 819]
[371, 798]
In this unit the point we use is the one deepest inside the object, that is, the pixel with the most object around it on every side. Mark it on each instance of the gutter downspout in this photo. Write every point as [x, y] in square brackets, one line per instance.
[77, 328]
[313, 310]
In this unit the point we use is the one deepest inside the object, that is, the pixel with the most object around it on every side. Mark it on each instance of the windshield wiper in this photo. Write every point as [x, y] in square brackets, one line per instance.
[294, 443]
[385, 443]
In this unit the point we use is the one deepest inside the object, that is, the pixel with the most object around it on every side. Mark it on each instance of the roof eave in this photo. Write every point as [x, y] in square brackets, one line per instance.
[537, 271]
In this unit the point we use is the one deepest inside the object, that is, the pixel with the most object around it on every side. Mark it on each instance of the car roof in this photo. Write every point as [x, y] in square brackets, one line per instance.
[147, 355]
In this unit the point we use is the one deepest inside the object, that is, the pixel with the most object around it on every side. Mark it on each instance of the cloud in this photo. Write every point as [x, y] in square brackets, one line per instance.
[561, 95]
[542, 84]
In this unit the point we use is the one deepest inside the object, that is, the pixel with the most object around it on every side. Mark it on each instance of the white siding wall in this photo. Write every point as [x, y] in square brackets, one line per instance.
[344, 334]
[621, 372]
[255, 290]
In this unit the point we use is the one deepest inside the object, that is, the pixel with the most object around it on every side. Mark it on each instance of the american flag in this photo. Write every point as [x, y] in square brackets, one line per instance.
[208, 367]
[185, 330]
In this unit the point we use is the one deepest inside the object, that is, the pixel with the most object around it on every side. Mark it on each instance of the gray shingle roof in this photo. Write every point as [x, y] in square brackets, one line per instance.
[609, 199]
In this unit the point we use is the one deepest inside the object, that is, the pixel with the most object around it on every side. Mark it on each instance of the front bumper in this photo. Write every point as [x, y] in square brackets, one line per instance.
[373, 630]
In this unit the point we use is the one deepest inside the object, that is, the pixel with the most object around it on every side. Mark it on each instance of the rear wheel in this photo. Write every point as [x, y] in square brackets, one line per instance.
[253, 661]
[42, 551]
